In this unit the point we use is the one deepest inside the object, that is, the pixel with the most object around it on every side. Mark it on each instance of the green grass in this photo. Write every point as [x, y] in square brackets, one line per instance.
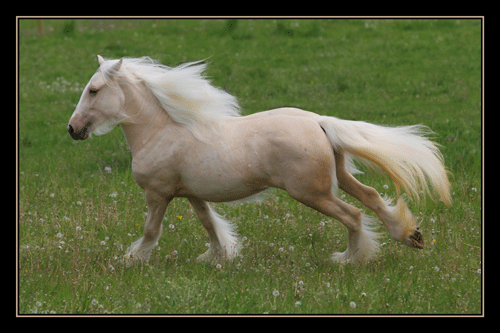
[76, 218]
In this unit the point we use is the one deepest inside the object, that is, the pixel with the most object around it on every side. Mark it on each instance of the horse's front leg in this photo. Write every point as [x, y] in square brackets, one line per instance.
[157, 205]
[222, 233]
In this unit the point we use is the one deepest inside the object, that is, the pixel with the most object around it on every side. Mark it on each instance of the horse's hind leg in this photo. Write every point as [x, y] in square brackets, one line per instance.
[398, 219]
[222, 234]
[363, 243]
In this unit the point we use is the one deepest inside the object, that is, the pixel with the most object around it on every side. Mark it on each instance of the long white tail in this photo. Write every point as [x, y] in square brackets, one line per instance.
[410, 159]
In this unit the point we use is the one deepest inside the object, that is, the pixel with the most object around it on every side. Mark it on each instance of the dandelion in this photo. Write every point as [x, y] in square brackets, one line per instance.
[78, 228]
[59, 235]
[38, 303]
[113, 195]
[171, 226]
[363, 294]
[111, 268]
[218, 266]
[179, 217]
[479, 271]
[51, 195]
[291, 248]
[276, 293]
[385, 187]
[79, 203]
[107, 169]
[103, 243]
[352, 305]
[298, 303]
[474, 189]
[94, 302]
[436, 269]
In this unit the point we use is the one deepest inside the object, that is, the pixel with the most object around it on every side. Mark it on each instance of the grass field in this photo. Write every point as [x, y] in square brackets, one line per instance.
[79, 207]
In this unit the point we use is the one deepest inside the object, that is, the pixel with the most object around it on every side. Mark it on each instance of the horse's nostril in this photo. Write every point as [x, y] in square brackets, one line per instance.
[70, 129]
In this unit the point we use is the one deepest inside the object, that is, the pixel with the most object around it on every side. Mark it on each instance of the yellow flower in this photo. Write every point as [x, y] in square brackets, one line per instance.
[179, 217]
[433, 240]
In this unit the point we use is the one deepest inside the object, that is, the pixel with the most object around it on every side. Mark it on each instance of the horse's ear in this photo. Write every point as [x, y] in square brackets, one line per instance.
[100, 59]
[117, 66]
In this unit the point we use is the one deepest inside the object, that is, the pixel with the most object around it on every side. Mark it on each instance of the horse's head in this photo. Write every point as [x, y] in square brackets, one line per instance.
[101, 104]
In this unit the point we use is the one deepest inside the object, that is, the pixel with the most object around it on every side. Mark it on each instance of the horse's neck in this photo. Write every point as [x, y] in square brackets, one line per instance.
[146, 118]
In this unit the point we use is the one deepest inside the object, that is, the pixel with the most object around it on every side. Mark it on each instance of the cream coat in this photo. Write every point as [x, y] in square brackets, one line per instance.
[187, 140]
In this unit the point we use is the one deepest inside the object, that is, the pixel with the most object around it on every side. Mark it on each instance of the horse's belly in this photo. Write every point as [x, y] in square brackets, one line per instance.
[221, 188]
[226, 173]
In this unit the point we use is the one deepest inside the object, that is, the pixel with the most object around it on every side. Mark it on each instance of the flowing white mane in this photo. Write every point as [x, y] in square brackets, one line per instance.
[184, 93]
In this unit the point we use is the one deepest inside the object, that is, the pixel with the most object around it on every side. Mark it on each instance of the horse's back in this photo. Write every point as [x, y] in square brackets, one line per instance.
[289, 144]
[285, 111]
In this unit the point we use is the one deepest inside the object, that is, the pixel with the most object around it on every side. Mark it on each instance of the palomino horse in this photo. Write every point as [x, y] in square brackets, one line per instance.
[188, 140]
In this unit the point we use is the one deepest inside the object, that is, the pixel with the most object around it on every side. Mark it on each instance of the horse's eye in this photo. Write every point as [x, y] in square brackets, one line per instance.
[93, 92]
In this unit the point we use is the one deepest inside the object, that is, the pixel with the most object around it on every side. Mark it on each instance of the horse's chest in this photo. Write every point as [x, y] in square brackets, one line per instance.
[151, 173]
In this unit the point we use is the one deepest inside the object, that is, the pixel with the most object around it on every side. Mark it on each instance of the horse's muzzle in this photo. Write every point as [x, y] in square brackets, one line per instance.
[78, 135]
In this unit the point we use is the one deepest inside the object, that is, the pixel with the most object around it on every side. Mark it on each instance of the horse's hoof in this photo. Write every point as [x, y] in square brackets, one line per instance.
[417, 240]
[208, 256]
